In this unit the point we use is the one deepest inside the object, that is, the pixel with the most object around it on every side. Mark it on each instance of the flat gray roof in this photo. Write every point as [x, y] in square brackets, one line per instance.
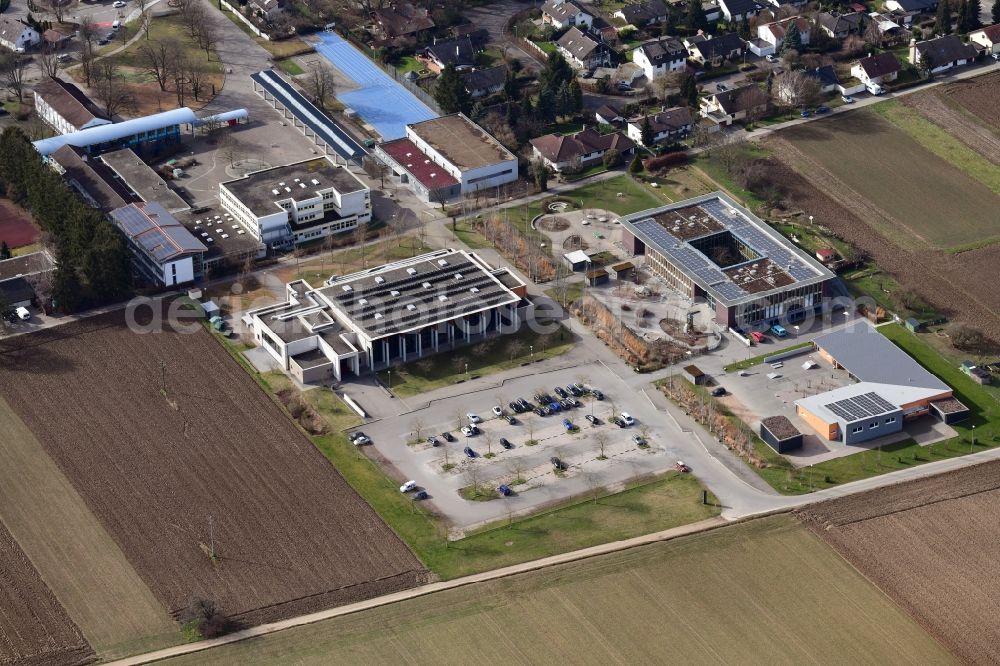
[673, 231]
[872, 357]
[260, 190]
[143, 180]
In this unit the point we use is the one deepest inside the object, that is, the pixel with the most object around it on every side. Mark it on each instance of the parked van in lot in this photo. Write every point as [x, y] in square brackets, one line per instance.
[779, 331]
[116, 25]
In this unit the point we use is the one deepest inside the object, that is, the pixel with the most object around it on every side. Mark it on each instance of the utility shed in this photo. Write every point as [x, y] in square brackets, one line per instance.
[693, 374]
[779, 433]
[576, 260]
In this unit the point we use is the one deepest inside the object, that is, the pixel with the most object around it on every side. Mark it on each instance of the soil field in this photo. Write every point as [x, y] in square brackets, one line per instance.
[977, 95]
[952, 283]
[16, 228]
[34, 628]
[175, 448]
[939, 107]
[923, 200]
[763, 591]
[106, 599]
[930, 545]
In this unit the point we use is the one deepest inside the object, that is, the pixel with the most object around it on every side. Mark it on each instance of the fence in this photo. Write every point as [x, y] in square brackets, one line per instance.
[257, 31]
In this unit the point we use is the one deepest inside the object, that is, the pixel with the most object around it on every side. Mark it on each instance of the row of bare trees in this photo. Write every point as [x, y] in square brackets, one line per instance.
[169, 65]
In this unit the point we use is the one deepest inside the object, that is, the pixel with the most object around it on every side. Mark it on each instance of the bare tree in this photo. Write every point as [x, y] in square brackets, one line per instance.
[145, 21]
[41, 284]
[13, 67]
[459, 416]
[87, 34]
[192, 15]
[156, 58]
[48, 62]
[110, 88]
[488, 440]
[375, 168]
[529, 420]
[601, 439]
[196, 77]
[58, 8]
[320, 85]
[796, 88]
[360, 236]
[751, 100]
[418, 428]
[207, 36]
[232, 149]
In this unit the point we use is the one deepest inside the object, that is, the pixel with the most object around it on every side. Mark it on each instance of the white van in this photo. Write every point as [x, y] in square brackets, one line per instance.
[22, 313]
[116, 25]
[875, 89]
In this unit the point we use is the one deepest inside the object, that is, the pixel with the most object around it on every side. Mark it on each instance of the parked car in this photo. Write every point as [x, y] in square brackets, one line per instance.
[433, 441]
[720, 87]
[580, 387]
[568, 424]
[623, 86]
[557, 463]
[505, 490]
[574, 390]
[554, 408]
[420, 495]
[597, 394]
[627, 418]
[593, 419]
[118, 4]
[639, 440]
[718, 391]
[561, 392]
[510, 419]
[473, 418]
[805, 113]
[757, 336]
[566, 404]
[467, 431]
[681, 466]
[770, 58]
[618, 422]
[505, 443]
[408, 486]
[822, 109]
[448, 436]
[469, 452]
[515, 407]
[575, 402]
[361, 441]
[497, 411]
[103, 41]
[540, 412]
[847, 99]
[779, 331]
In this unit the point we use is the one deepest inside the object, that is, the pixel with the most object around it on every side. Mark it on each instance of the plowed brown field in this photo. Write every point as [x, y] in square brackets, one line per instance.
[932, 546]
[977, 95]
[34, 628]
[155, 460]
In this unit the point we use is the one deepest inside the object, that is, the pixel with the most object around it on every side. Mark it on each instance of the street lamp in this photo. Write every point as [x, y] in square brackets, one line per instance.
[531, 348]
[466, 370]
[389, 373]
[973, 436]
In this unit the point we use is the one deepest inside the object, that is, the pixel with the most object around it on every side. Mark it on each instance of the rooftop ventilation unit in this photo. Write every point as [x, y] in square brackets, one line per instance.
[347, 287]
[411, 307]
[296, 180]
[442, 298]
[442, 262]
[315, 182]
[274, 192]
[458, 276]
[411, 270]
[394, 293]
[427, 285]
[378, 315]
[302, 185]
[362, 301]
[379, 279]
[288, 189]
[474, 290]
[281, 184]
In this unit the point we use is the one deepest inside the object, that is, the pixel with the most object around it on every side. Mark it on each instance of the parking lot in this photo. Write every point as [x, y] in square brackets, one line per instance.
[595, 456]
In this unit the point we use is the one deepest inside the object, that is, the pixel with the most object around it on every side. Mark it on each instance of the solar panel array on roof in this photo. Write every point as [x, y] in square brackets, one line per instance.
[157, 231]
[861, 407]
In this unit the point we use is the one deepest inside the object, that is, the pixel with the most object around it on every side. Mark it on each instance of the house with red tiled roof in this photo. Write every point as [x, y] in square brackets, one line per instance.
[579, 151]
[987, 38]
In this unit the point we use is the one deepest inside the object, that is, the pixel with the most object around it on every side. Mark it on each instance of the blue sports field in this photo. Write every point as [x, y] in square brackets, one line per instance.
[380, 101]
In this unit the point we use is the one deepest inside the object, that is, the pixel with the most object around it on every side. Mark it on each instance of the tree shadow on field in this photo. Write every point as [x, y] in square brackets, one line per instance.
[862, 122]
[38, 360]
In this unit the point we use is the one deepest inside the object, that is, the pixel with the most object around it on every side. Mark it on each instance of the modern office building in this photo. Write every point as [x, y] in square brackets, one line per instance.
[163, 251]
[296, 203]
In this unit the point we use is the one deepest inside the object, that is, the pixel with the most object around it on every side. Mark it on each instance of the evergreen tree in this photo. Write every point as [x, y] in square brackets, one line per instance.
[963, 16]
[541, 174]
[744, 29]
[995, 13]
[527, 108]
[695, 16]
[942, 24]
[647, 135]
[564, 104]
[576, 96]
[556, 72]
[545, 110]
[689, 90]
[450, 92]
[510, 85]
[793, 39]
[5, 252]
[975, 10]
[635, 166]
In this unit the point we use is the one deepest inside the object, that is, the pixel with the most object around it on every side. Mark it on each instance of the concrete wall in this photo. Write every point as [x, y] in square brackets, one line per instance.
[872, 428]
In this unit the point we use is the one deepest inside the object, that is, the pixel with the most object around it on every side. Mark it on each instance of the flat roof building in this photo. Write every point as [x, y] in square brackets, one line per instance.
[140, 179]
[891, 388]
[164, 252]
[446, 157]
[711, 247]
[227, 241]
[389, 314]
[94, 181]
[296, 203]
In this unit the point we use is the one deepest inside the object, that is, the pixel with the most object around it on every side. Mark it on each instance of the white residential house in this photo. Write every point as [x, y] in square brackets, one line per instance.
[943, 52]
[774, 33]
[17, 35]
[876, 70]
[562, 14]
[987, 38]
[667, 125]
[660, 56]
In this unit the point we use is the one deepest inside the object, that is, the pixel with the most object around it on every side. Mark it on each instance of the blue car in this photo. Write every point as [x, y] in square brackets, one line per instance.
[779, 331]
[567, 424]
[469, 452]
[505, 490]
[822, 109]
[805, 114]
[554, 407]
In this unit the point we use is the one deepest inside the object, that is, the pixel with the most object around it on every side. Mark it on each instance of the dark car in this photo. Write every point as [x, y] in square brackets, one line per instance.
[805, 114]
[448, 436]
[597, 394]
[540, 411]
[505, 490]
[525, 404]
[566, 404]
[469, 452]
[822, 109]
[505, 443]
[618, 422]
[474, 428]
[433, 441]
[717, 391]
[103, 41]
[593, 419]
[557, 463]
[575, 402]
[561, 392]
[510, 419]
[420, 495]
[515, 407]
[574, 390]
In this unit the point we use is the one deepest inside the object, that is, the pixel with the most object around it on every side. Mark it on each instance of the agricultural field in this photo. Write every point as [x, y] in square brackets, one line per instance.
[919, 199]
[35, 629]
[931, 546]
[198, 476]
[106, 599]
[941, 106]
[765, 587]
[976, 96]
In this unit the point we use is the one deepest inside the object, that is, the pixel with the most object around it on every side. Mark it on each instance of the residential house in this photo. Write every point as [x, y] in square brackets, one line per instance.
[826, 76]
[941, 53]
[911, 7]
[892, 33]
[608, 115]
[65, 107]
[660, 56]
[987, 38]
[843, 25]
[667, 125]
[603, 30]
[789, 93]
[711, 10]
[54, 40]
[460, 53]
[774, 33]
[737, 10]
[877, 70]
[17, 35]
[641, 14]
[715, 50]
[579, 151]
[770, 5]
[582, 51]
[485, 82]
[400, 20]
[562, 14]
[266, 9]
[722, 108]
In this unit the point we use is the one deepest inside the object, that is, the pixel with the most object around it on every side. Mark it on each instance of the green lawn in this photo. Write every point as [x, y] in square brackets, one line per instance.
[289, 66]
[566, 294]
[941, 143]
[493, 355]
[409, 64]
[604, 195]
[716, 172]
[547, 47]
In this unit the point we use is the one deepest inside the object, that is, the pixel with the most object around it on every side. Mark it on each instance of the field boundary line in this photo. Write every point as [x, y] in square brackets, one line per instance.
[707, 525]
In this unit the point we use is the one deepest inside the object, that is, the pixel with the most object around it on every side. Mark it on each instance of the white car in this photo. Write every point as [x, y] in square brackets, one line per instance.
[847, 99]
[22, 313]
[408, 486]
[467, 431]
[361, 441]
[627, 418]
[118, 4]
[770, 58]
[497, 411]
[473, 418]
